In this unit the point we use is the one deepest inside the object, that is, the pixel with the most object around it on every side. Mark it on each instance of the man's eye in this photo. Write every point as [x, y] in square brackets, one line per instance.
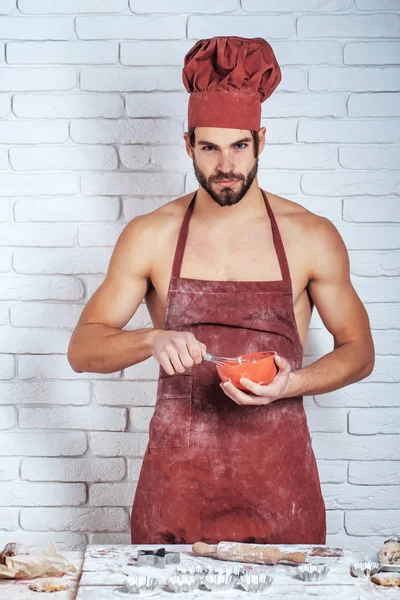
[241, 144]
[205, 147]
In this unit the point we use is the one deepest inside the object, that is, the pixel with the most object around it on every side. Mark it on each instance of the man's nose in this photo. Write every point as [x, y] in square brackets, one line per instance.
[226, 164]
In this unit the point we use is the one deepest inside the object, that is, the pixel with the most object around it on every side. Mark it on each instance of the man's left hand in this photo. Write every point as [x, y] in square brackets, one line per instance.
[261, 394]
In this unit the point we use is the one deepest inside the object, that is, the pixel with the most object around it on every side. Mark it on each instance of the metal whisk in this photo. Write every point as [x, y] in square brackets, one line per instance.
[225, 361]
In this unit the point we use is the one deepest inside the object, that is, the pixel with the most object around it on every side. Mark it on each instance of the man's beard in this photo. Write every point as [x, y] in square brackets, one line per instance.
[227, 196]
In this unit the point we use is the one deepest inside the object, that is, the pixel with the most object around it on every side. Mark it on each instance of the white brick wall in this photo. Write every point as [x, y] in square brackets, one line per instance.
[92, 111]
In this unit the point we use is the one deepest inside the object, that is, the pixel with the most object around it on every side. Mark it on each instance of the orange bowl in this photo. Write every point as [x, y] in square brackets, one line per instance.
[261, 371]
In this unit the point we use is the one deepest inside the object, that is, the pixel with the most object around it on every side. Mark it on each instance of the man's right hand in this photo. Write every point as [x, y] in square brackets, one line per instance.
[177, 351]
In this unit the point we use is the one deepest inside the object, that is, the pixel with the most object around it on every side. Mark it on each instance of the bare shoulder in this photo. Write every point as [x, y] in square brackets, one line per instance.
[315, 239]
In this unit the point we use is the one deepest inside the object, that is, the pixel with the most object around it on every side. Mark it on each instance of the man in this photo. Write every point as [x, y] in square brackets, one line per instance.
[231, 270]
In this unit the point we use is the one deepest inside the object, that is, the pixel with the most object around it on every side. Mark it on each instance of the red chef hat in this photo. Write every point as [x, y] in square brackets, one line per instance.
[228, 77]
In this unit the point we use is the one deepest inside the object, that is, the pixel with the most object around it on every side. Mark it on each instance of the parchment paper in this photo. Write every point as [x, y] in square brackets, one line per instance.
[48, 562]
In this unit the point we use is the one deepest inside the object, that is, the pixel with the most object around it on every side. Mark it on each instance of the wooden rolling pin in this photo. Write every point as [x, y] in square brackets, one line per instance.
[251, 553]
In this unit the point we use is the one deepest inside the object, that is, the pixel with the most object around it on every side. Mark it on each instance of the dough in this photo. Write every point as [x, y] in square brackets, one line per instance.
[12, 549]
[48, 585]
[387, 579]
[389, 554]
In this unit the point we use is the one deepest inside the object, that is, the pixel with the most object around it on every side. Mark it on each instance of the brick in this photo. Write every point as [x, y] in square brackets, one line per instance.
[5, 105]
[149, 158]
[269, 27]
[9, 519]
[371, 53]
[45, 315]
[7, 7]
[304, 105]
[372, 421]
[331, 471]
[386, 342]
[41, 288]
[36, 185]
[130, 27]
[132, 207]
[36, 28]
[65, 417]
[347, 131]
[42, 494]
[67, 209]
[331, 420]
[39, 541]
[92, 284]
[64, 53]
[126, 131]
[7, 368]
[59, 234]
[371, 210]
[147, 369]
[184, 6]
[110, 538]
[143, 53]
[156, 104]
[33, 132]
[2, 52]
[46, 261]
[26, 340]
[64, 158]
[355, 79]
[66, 7]
[67, 106]
[112, 494]
[384, 316]
[9, 469]
[133, 79]
[382, 289]
[357, 237]
[5, 260]
[341, 446]
[373, 105]
[377, 4]
[361, 545]
[5, 209]
[334, 521]
[134, 466]
[71, 443]
[307, 53]
[359, 497]
[8, 418]
[45, 392]
[54, 366]
[156, 184]
[19, 80]
[118, 444]
[362, 395]
[378, 157]
[372, 522]
[295, 5]
[348, 26]
[140, 418]
[298, 157]
[374, 472]
[350, 184]
[99, 235]
[74, 519]
[374, 264]
[125, 393]
[3, 159]
[280, 131]
[79, 469]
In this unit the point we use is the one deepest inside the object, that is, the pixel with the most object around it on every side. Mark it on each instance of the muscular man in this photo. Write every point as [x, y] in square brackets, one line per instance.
[230, 269]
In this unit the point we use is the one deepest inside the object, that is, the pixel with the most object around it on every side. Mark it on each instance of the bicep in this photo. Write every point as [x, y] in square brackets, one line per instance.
[125, 285]
[333, 294]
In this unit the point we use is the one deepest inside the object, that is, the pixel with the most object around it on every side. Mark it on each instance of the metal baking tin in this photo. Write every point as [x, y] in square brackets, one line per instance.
[311, 572]
[159, 558]
[364, 569]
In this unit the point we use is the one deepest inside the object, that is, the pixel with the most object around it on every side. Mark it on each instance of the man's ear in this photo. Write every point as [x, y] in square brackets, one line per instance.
[189, 148]
[262, 135]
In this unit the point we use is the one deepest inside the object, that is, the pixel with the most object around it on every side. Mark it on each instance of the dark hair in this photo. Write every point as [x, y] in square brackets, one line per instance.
[255, 134]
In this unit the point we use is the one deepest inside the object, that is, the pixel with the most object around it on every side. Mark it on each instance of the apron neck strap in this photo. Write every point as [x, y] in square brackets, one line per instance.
[279, 248]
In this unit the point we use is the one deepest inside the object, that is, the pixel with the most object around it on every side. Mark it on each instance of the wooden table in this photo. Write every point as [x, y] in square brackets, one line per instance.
[105, 568]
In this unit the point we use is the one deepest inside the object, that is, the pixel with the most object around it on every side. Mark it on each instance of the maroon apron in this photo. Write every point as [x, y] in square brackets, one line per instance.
[214, 470]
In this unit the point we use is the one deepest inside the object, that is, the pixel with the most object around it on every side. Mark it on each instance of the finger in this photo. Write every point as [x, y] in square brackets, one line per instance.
[256, 388]
[166, 364]
[238, 396]
[203, 349]
[181, 350]
[195, 352]
[281, 363]
[176, 361]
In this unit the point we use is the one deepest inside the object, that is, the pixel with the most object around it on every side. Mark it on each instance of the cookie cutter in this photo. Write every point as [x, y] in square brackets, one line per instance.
[159, 558]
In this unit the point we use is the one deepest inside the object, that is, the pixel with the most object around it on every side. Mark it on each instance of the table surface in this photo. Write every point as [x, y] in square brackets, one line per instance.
[101, 569]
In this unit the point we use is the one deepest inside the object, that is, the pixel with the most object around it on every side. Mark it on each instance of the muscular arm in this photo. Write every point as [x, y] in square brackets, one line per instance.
[342, 313]
[98, 343]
